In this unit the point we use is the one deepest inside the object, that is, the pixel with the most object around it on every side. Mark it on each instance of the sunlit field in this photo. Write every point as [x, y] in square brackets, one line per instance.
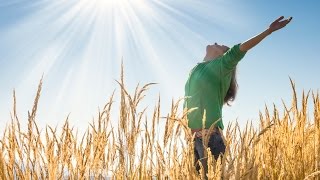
[285, 146]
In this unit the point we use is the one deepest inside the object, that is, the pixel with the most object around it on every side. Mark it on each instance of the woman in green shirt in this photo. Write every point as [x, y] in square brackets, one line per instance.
[211, 84]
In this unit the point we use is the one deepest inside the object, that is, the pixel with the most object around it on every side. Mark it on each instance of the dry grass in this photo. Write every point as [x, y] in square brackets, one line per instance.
[285, 146]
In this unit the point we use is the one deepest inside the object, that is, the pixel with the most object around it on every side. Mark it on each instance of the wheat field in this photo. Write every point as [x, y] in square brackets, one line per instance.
[284, 146]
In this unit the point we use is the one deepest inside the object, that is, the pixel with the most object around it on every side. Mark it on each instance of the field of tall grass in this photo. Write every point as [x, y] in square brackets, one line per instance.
[285, 146]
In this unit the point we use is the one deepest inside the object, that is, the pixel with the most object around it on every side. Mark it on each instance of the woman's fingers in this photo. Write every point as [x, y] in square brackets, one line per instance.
[279, 23]
[281, 17]
[287, 20]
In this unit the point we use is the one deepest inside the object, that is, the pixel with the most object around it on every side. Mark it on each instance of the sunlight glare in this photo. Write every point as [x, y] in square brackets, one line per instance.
[113, 3]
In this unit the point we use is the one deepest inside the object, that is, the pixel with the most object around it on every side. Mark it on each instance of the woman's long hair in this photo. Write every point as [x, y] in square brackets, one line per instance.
[232, 91]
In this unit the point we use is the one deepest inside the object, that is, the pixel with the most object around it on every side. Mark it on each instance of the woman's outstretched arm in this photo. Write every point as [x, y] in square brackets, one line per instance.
[274, 26]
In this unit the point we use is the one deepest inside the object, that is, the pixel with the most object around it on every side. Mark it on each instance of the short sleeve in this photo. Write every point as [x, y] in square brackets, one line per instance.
[231, 58]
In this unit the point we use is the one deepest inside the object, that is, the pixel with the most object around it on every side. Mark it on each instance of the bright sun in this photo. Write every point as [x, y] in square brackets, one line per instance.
[113, 3]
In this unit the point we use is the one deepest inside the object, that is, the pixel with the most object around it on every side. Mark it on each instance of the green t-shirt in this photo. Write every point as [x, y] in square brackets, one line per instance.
[207, 86]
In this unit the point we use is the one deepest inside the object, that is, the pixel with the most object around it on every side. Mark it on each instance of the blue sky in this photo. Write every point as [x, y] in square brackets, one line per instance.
[78, 45]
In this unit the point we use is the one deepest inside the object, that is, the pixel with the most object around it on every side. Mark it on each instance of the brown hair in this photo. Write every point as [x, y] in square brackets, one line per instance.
[232, 91]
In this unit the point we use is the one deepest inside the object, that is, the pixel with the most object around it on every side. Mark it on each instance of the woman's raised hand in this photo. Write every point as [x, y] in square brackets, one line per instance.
[279, 23]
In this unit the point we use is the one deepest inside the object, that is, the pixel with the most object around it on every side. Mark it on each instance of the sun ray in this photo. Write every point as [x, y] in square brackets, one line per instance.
[78, 45]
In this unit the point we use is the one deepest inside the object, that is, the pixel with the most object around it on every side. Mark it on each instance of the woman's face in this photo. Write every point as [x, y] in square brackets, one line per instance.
[216, 50]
